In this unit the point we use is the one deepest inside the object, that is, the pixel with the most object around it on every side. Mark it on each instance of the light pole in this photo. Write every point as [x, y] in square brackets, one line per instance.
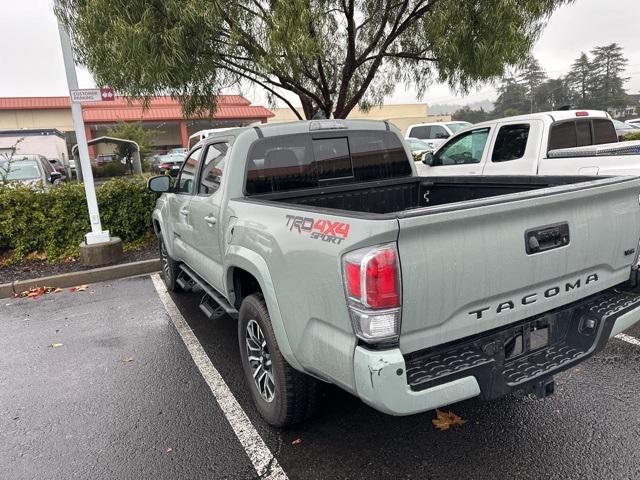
[97, 235]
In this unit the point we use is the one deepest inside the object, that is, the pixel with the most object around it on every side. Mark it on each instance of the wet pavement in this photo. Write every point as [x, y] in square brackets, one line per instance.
[82, 410]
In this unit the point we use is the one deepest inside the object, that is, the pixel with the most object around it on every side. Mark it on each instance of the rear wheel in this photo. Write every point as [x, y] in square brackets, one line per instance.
[170, 268]
[282, 395]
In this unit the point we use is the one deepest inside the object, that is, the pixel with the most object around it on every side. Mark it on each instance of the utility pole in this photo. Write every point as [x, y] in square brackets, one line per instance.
[97, 235]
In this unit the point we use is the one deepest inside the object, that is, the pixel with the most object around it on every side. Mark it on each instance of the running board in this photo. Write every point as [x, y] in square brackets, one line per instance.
[224, 307]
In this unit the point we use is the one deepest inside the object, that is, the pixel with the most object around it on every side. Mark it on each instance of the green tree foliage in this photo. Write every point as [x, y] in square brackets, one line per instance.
[551, 94]
[333, 55]
[595, 83]
[608, 64]
[513, 98]
[129, 131]
[531, 77]
[467, 114]
[133, 131]
[580, 81]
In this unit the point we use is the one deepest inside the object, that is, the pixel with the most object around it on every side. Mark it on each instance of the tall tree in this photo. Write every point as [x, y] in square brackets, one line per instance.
[531, 75]
[552, 94]
[333, 55]
[513, 98]
[580, 80]
[608, 65]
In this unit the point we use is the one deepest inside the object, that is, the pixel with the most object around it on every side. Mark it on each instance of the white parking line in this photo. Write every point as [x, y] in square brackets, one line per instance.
[261, 457]
[628, 339]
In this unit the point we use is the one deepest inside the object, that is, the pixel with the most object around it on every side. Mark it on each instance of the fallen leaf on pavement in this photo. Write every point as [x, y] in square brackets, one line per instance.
[126, 359]
[79, 288]
[57, 290]
[297, 441]
[34, 292]
[169, 450]
[444, 420]
[56, 345]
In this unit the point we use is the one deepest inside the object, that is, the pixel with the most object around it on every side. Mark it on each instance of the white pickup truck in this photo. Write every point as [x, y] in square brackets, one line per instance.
[571, 142]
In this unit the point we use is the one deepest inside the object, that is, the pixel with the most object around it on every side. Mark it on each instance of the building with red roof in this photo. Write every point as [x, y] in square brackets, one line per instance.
[163, 114]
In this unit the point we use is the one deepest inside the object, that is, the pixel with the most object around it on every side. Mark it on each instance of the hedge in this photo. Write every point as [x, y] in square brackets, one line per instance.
[632, 136]
[54, 222]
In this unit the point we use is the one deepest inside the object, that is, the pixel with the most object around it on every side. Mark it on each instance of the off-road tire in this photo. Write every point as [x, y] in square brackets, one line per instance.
[295, 396]
[170, 268]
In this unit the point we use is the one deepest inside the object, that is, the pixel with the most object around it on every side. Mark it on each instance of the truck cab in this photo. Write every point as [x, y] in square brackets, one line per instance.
[553, 143]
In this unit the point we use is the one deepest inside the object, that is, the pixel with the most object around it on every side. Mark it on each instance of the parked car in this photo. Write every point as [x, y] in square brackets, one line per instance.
[342, 266]
[634, 121]
[32, 170]
[418, 148]
[571, 142]
[622, 128]
[170, 164]
[436, 133]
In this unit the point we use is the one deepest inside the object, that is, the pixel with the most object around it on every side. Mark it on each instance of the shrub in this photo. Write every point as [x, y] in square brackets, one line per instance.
[55, 222]
[631, 136]
[110, 169]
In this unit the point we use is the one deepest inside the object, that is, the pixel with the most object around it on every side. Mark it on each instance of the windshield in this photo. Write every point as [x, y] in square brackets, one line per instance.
[456, 127]
[21, 170]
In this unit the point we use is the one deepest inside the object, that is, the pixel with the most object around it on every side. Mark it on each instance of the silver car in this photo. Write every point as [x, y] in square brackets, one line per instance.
[31, 170]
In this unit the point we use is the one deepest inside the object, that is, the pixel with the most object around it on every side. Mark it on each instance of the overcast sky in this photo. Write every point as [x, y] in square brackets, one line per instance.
[32, 62]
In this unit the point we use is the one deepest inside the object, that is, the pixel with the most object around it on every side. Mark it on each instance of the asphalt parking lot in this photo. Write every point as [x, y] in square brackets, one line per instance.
[100, 384]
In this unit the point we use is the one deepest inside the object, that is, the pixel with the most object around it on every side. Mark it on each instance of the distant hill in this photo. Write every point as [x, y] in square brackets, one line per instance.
[448, 109]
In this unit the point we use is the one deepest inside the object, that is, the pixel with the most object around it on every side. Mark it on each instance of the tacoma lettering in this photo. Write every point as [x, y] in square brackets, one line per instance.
[533, 297]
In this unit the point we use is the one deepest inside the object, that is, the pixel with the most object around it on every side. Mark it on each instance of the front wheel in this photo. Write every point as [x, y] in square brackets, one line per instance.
[170, 268]
[282, 395]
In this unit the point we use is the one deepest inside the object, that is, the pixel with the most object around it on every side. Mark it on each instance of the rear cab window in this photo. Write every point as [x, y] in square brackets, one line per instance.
[292, 162]
[581, 132]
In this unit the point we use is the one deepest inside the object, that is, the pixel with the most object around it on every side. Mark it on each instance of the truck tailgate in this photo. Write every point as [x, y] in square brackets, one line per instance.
[474, 266]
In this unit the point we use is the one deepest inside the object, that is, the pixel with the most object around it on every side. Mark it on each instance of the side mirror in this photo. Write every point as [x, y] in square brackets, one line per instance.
[160, 184]
[427, 159]
[55, 177]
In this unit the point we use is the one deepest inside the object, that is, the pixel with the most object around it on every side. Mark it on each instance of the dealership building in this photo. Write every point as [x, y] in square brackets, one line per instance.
[163, 115]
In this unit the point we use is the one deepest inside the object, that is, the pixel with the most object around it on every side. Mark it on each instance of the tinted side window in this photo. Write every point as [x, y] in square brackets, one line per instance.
[563, 135]
[420, 132]
[439, 132]
[603, 131]
[289, 162]
[213, 168]
[467, 148]
[511, 143]
[187, 174]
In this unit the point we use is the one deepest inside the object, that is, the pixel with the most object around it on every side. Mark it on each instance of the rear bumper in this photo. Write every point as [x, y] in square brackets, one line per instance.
[495, 363]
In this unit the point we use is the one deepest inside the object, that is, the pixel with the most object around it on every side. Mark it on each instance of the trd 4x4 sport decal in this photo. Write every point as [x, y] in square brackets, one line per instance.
[320, 229]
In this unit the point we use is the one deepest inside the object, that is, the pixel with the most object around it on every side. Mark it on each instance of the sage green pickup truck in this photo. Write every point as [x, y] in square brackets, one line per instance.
[343, 266]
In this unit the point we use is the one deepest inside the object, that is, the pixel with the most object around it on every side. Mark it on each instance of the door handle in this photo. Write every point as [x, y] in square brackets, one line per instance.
[184, 211]
[211, 220]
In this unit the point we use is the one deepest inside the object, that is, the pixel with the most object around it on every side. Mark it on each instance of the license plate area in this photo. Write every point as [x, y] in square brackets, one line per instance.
[527, 339]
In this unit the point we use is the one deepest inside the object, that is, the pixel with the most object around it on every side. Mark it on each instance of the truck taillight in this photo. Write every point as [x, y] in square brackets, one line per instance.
[164, 166]
[372, 284]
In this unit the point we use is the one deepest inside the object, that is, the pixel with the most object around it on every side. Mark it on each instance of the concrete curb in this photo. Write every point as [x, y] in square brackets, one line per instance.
[71, 279]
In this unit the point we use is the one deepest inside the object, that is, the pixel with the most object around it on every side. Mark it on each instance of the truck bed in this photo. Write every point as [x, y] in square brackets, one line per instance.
[402, 195]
